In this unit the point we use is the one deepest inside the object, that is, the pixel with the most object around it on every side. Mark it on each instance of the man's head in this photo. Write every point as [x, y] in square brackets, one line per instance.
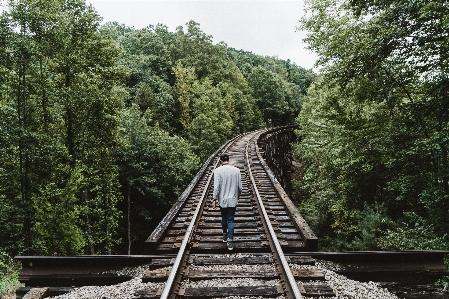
[224, 157]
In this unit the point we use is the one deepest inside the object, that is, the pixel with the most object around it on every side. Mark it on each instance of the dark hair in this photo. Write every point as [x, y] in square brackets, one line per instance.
[224, 157]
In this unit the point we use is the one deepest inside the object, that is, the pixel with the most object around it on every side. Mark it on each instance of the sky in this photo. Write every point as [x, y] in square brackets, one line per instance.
[267, 28]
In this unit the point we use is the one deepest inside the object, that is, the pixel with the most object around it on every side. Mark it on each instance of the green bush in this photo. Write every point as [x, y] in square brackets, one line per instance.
[414, 233]
[9, 273]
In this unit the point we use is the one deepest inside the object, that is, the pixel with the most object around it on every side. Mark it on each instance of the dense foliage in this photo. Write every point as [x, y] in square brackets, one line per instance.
[9, 272]
[375, 125]
[102, 127]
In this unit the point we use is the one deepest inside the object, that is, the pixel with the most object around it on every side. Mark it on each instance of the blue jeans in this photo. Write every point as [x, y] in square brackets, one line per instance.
[227, 222]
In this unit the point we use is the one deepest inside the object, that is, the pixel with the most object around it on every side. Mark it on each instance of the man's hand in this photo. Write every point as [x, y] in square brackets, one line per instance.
[214, 204]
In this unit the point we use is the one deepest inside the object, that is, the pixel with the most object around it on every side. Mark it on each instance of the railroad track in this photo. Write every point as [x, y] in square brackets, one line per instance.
[273, 255]
[264, 230]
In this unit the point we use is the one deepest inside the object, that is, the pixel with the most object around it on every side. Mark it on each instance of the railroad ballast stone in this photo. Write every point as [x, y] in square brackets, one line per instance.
[343, 287]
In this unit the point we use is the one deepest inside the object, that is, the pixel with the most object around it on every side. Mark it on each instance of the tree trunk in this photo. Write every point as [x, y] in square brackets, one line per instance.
[129, 220]
[445, 182]
[89, 228]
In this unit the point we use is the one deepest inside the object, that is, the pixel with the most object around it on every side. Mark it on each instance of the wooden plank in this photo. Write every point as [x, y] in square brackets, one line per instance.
[318, 290]
[240, 211]
[258, 246]
[239, 238]
[237, 225]
[148, 293]
[170, 239]
[237, 231]
[169, 246]
[285, 224]
[210, 292]
[301, 260]
[179, 225]
[279, 212]
[228, 260]
[174, 232]
[155, 275]
[295, 244]
[161, 263]
[292, 237]
[236, 219]
[308, 274]
[248, 273]
[286, 230]
[165, 223]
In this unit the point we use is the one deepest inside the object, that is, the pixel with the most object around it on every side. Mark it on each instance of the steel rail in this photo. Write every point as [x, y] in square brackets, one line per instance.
[285, 266]
[187, 236]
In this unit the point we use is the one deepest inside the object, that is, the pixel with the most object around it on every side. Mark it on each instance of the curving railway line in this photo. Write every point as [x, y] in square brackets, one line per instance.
[273, 257]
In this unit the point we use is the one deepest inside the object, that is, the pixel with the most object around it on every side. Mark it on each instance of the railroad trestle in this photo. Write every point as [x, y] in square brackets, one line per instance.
[275, 250]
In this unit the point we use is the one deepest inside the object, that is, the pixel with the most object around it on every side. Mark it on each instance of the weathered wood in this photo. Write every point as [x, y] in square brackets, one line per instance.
[165, 223]
[237, 225]
[210, 292]
[148, 293]
[199, 260]
[308, 274]
[155, 275]
[301, 260]
[236, 219]
[237, 231]
[311, 241]
[248, 246]
[291, 237]
[160, 263]
[286, 230]
[282, 218]
[248, 273]
[239, 238]
[295, 245]
[317, 290]
[240, 211]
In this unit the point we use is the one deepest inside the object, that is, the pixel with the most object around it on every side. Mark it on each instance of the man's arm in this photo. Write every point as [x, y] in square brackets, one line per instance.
[216, 190]
[240, 183]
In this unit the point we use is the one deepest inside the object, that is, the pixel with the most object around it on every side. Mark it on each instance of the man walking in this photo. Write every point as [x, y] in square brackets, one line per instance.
[227, 188]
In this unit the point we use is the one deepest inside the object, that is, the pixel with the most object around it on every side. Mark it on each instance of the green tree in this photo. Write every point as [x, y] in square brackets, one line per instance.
[279, 86]
[154, 169]
[212, 123]
[273, 95]
[60, 74]
[377, 134]
[184, 82]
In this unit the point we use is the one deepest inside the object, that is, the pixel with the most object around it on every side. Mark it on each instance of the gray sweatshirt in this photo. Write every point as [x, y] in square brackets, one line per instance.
[227, 185]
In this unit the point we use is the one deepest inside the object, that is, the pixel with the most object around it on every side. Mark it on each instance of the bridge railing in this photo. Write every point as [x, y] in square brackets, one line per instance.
[275, 154]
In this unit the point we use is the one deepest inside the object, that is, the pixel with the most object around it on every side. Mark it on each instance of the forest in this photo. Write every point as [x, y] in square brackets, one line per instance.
[102, 126]
[375, 125]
